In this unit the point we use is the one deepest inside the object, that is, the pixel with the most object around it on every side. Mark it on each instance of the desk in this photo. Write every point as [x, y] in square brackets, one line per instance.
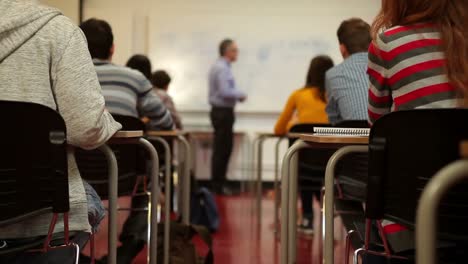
[185, 180]
[131, 137]
[127, 135]
[289, 185]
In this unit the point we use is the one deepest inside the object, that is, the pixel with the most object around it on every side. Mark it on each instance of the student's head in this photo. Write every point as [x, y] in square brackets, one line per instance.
[228, 49]
[140, 63]
[100, 38]
[450, 16]
[354, 36]
[161, 80]
[316, 74]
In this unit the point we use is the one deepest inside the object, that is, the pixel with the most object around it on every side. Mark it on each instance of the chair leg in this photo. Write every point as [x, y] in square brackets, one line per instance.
[357, 253]
[348, 245]
[322, 223]
[77, 253]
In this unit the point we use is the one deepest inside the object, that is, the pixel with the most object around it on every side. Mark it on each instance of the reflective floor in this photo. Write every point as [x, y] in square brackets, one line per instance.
[240, 240]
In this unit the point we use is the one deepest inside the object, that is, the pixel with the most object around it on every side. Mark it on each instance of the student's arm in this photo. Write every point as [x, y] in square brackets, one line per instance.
[380, 99]
[332, 108]
[175, 115]
[78, 95]
[227, 85]
[285, 117]
[151, 106]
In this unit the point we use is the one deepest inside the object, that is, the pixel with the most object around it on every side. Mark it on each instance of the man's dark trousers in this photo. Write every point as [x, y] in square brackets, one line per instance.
[222, 119]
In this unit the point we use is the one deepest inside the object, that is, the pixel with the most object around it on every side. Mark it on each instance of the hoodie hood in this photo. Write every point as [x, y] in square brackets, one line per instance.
[19, 22]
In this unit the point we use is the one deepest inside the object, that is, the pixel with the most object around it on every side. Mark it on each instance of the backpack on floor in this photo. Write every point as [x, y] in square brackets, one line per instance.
[204, 211]
[182, 250]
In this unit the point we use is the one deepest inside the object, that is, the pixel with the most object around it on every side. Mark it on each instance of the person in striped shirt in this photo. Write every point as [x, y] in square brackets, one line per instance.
[347, 83]
[418, 59]
[126, 91]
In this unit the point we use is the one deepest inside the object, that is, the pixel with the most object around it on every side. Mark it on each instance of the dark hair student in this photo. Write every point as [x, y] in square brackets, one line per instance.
[140, 63]
[316, 74]
[161, 79]
[100, 38]
[355, 35]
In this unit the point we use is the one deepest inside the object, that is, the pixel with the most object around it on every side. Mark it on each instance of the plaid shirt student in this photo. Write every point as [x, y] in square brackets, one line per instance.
[347, 87]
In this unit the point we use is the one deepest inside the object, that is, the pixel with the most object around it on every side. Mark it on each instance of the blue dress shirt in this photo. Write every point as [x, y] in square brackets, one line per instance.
[223, 90]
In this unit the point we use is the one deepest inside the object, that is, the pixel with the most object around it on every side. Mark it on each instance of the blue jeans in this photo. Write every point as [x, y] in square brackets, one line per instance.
[96, 210]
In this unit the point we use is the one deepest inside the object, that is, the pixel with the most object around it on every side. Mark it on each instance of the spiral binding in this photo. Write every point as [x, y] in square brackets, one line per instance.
[342, 131]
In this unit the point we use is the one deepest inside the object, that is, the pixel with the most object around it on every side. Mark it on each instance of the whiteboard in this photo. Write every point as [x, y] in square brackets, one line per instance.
[268, 68]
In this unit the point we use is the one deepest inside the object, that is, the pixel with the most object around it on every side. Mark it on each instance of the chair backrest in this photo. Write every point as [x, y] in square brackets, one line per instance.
[354, 124]
[131, 162]
[304, 128]
[130, 122]
[310, 160]
[406, 149]
[33, 162]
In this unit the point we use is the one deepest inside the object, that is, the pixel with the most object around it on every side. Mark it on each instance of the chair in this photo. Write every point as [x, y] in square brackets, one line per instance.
[354, 124]
[349, 191]
[33, 170]
[131, 168]
[427, 214]
[406, 149]
[131, 163]
[312, 163]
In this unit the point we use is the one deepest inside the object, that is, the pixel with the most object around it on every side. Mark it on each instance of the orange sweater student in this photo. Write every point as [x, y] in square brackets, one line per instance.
[307, 105]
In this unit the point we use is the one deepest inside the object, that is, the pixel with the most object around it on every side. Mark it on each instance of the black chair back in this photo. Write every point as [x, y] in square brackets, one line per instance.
[354, 124]
[131, 162]
[310, 158]
[406, 149]
[312, 163]
[33, 162]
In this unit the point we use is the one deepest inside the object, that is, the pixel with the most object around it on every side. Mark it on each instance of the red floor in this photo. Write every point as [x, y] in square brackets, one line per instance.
[239, 240]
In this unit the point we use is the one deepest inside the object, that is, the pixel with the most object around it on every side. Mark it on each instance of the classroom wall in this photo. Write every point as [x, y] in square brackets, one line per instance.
[69, 8]
[277, 39]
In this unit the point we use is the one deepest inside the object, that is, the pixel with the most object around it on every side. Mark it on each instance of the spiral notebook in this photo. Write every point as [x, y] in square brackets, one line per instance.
[341, 131]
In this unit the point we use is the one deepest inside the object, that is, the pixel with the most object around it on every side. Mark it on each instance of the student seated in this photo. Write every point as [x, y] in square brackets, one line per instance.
[347, 83]
[418, 59]
[307, 105]
[160, 81]
[127, 92]
[44, 59]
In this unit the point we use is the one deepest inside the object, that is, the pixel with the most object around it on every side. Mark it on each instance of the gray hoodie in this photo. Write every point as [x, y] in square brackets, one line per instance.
[44, 59]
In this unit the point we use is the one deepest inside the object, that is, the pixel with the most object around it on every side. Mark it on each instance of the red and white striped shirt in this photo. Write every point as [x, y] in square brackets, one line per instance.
[407, 71]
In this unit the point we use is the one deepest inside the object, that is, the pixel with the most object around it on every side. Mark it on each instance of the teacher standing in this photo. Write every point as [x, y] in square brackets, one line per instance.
[223, 96]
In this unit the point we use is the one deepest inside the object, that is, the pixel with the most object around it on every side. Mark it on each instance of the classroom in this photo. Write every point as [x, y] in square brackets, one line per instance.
[248, 131]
